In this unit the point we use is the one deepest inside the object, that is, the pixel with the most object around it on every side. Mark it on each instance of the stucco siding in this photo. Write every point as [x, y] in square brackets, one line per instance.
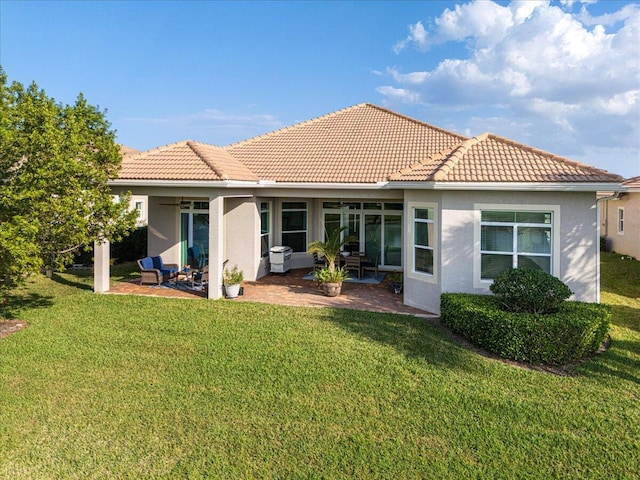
[627, 243]
[242, 235]
[164, 229]
[575, 242]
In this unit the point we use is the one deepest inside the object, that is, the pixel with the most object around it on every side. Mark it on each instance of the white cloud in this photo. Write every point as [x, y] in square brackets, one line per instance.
[401, 94]
[535, 61]
[417, 36]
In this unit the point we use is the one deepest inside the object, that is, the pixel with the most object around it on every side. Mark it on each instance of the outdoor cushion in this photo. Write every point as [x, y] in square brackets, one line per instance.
[147, 263]
[157, 263]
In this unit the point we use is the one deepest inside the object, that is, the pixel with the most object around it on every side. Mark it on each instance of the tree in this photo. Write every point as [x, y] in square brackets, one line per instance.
[55, 161]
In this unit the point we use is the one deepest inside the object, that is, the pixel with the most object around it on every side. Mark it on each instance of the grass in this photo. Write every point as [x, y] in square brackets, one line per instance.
[103, 386]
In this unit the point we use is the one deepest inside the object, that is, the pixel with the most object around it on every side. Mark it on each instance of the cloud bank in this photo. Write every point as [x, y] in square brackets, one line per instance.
[548, 74]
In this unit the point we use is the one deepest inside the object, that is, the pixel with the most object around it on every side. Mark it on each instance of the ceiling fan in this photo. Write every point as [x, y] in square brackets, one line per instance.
[182, 204]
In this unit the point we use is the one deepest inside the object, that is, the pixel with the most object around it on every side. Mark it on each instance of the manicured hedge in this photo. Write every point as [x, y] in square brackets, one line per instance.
[575, 330]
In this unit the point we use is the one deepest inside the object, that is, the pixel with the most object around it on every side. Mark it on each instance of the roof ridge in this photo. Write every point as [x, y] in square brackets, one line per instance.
[156, 149]
[295, 125]
[442, 172]
[408, 169]
[554, 157]
[414, 120]
[195, 147]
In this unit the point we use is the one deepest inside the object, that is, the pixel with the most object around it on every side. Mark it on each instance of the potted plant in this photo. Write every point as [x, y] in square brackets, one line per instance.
[331, 280]
[232, 280]
[395, 282]
[329, 276]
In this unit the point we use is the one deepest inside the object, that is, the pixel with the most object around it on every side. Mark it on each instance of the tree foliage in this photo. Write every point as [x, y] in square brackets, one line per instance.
[55, 162]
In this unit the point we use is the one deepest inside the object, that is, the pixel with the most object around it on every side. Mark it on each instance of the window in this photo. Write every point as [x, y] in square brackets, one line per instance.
[139, 208]
[511, 239]
[621, 220]
[265, 229]
[294, 225]
[423, 240]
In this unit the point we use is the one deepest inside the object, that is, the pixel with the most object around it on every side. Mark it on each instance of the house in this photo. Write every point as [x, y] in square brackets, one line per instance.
[451, 212]
[136, 202]
[620, 220]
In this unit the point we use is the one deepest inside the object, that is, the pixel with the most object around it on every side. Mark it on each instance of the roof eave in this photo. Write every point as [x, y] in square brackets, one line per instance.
[512, 186]
[181, 183]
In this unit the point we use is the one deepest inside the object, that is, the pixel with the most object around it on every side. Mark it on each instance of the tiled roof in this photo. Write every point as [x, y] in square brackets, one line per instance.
[633, 183]
[489, 158]
[124, 150]
[186, 160]
[360, 144]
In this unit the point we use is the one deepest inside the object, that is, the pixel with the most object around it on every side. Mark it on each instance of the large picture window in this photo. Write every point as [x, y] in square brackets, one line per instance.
[423, 240]
[511, 239]
[294, 225]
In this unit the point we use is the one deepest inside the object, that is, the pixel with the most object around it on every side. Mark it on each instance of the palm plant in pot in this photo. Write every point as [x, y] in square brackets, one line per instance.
[232, 280]
[329, 276]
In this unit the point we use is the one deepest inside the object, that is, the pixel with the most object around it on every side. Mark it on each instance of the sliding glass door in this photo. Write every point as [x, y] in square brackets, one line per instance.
[376, 226]
[194, 229]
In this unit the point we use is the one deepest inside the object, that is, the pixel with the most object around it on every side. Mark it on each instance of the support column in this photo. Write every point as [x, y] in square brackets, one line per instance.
[216, 246]
[101, 261]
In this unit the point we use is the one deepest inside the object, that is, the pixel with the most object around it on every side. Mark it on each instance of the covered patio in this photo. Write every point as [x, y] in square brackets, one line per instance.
[293, 290]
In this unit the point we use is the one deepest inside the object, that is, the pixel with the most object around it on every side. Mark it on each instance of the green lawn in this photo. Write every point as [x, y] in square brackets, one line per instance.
[106, 386]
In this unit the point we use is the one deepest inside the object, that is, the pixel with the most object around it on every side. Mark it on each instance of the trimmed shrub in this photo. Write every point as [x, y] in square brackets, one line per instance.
[528, 290]
[577, 329]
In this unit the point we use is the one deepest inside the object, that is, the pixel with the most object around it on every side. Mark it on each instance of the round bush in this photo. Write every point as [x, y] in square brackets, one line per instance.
[528, 290]
[577, 329]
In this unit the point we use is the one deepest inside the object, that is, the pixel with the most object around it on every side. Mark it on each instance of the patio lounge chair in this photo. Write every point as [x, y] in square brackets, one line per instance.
[153, 270]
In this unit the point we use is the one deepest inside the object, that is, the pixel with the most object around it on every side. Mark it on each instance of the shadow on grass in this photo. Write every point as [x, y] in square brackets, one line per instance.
[63, 280]
[414, 337]
[626, 317]
[615, 363]
[19, 302]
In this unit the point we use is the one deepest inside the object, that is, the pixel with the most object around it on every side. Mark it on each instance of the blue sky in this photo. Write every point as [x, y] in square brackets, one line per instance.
[563, 76]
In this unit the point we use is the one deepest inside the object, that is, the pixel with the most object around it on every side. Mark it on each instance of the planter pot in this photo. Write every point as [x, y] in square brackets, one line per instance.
[332, 289]
[232, 290]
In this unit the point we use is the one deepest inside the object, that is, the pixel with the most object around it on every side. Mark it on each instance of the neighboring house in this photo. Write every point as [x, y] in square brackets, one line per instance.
[620, 219]
[451, 212]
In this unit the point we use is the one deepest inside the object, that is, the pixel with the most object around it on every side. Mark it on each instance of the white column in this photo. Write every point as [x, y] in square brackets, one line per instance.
[216, 246]
[101, 262]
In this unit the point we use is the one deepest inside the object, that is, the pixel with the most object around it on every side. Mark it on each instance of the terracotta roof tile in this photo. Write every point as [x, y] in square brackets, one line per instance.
[633, 182]
[186, 160]
[490, 158]
[360, 144]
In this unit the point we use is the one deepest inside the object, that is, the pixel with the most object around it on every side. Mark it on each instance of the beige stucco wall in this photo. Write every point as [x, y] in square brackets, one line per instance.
[164, 228]
[242, 239]
[627, 243]
[576, 241]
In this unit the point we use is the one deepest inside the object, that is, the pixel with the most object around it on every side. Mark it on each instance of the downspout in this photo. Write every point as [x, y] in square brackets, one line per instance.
[615, 196]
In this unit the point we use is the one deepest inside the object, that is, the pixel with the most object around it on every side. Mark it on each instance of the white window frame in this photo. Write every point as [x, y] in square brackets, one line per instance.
[269, 211]
[305, 230]
[620, 221]
[411, 220]
[481, 283]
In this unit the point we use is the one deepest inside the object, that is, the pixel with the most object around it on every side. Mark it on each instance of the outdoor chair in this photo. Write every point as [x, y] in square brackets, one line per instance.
[201, 278]
[194, 258]
[369, 266]
[317, 261]
[153, 270]
[353, 262]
